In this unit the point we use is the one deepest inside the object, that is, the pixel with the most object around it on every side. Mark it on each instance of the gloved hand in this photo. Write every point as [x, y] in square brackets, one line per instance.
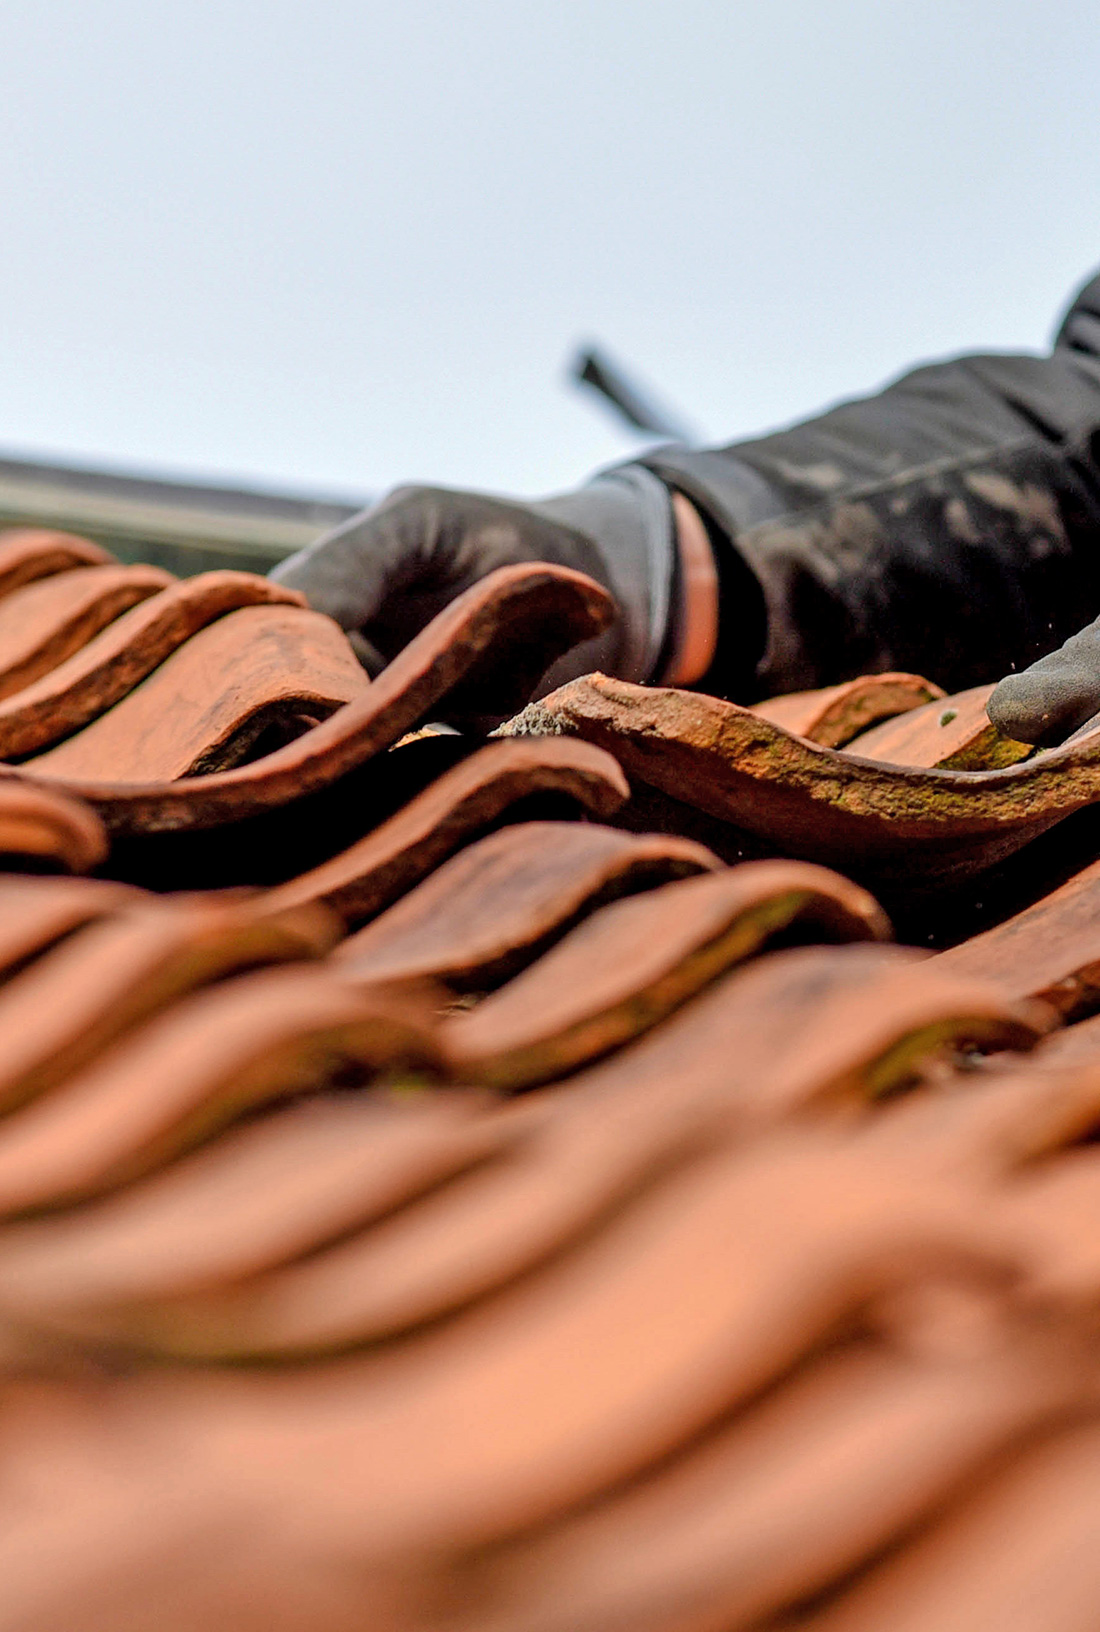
[1049, 701]
[385, 573]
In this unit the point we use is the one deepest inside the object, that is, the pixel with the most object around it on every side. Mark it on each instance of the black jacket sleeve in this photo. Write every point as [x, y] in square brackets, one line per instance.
[949, 525]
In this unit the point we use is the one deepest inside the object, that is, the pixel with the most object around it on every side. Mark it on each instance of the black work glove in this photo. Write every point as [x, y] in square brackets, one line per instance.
[1049, 701]
[385, 573]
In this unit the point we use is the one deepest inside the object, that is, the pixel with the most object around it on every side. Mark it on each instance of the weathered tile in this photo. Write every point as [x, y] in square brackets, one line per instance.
[263, 1195]
[803, 1028]
[76, 999]
[44, 829]
[721, 1330]
[675, 1418]
[1075, 1044]
[1050, 950]
[37, 912]
[889, 824]
[708, 1284]
[29, 553]
[556, 1166]
[1019, 1554]
[767, 1505]
[791, 1496]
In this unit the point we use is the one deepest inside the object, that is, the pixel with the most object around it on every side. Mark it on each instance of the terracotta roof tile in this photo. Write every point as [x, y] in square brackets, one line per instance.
[262, 1195]
[35, 913]
[785, 1499]
[80, 996]
[1049, 950]
[29, 553]
[101, 672]
[836, 714]
[491, 909]
[45, 622]
[455, 808]
[1018, 1553]
[205, 705]
[41, 830]
[184, 1074]
[633, 962]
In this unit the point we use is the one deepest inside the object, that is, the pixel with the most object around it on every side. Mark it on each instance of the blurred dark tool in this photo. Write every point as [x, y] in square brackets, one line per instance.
[593, 367]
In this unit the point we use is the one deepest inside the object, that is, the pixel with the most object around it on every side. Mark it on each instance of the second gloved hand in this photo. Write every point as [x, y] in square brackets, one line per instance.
[387, 572]
[1054, 697]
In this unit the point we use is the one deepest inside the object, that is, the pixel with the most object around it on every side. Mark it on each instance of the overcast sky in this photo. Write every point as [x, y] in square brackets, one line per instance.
[341, 244]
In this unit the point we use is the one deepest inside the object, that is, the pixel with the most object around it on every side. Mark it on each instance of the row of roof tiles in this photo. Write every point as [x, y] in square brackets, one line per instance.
[773, 1303]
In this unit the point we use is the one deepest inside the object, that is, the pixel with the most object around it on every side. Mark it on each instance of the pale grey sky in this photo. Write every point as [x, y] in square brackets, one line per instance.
[338, 245]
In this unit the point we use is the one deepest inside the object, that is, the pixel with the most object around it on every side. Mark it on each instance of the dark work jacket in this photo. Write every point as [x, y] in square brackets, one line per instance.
[949, 525]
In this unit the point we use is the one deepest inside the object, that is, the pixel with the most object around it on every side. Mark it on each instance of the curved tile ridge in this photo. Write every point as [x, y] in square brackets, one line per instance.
[566, 1160]
[489, 647]
[1076, 1043]
[709, 1436]
[1018, 1549]
[1054, 1211]
[754, 1373]
[633, 962]
[490, 910]
[712, 1282]
[262, 1194]
[809, 1026]
[27, 553]
[648, 1489]
[471, 796]
[35, 913]
[729, 1510]
[44, 622]
[209, 700]
[370, 1285]
[889, 823]
[845, 1457]
[1049, 950]
[44, 828]
[107, 977]
[113, 662]
[210, 1059]
[836, 714]
[955, 734]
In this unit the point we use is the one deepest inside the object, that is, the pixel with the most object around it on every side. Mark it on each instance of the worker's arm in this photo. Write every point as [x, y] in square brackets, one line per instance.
[950, 525]
[1047, 701]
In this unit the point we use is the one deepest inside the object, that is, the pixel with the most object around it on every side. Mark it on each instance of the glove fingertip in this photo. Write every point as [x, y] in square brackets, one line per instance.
[1043, 709]
[1017, 711]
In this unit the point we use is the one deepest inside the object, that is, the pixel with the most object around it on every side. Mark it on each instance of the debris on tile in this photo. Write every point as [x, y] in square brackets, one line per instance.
[953, 734]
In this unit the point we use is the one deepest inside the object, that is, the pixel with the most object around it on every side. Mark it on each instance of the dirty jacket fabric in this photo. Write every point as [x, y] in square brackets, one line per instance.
[948, 525]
